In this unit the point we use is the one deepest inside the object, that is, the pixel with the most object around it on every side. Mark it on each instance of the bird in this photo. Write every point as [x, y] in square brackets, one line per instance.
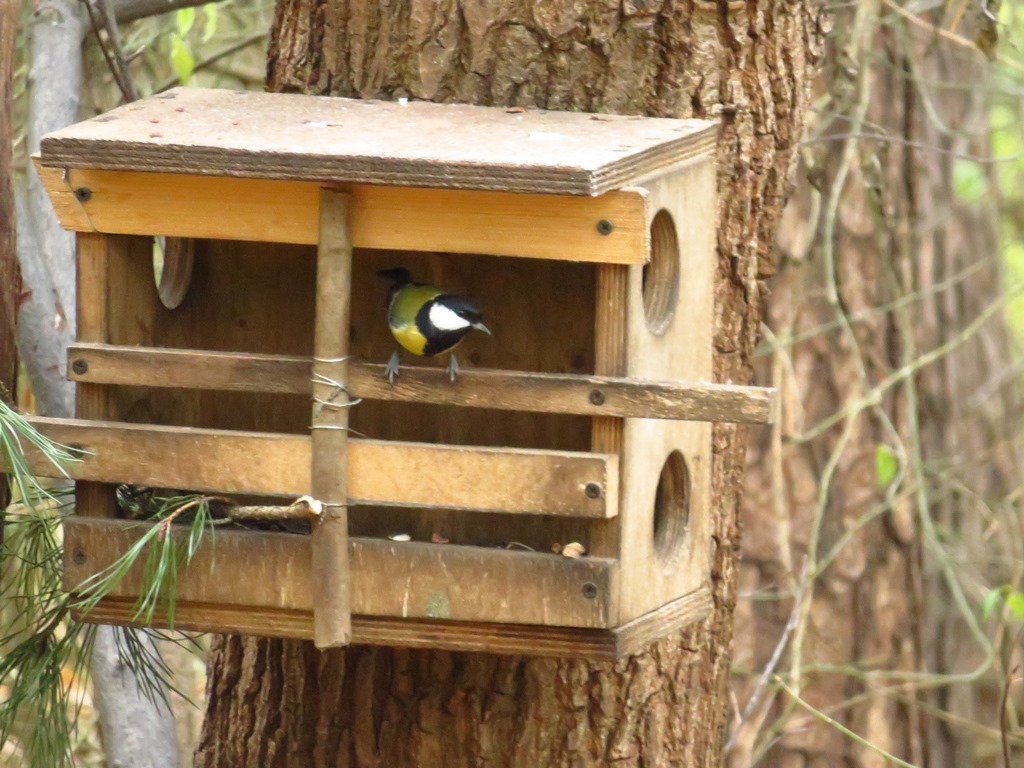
[427, 321]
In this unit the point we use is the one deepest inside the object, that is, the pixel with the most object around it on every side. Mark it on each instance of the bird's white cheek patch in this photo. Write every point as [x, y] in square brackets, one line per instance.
[444, 319]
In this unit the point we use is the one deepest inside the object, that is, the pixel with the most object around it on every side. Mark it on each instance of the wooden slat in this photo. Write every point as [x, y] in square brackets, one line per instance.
[474, 637]
[291, 136]
[664, 552]
[332, 619]
[93, 252]
[414, 219]
[610, 324]
[272, 571]
[478, 388]
[381, 472]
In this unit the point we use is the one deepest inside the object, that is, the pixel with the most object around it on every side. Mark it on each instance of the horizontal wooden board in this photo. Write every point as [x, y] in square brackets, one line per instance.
[412, 219]
[261, 571]
[473, 637]
[479, 388]
[420, 144]
[380, 472]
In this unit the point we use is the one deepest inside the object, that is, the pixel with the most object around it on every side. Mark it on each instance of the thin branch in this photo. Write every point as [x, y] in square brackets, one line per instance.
[245, 42]
[817, 713]
[874, 396]
[111, 47]
[132, 10]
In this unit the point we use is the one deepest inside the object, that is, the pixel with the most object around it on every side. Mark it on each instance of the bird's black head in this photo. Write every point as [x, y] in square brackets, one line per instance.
[399, 276]
[461, 306]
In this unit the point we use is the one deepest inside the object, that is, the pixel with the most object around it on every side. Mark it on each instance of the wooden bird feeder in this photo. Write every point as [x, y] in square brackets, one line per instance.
[587, 240]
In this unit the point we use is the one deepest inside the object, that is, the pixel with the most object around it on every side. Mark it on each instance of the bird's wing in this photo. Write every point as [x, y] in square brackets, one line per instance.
[405, 305]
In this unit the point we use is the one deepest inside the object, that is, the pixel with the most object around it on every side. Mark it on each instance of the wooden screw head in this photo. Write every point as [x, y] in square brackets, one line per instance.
[592, 490]
[80, 366]
[590, 590]
[605, 227]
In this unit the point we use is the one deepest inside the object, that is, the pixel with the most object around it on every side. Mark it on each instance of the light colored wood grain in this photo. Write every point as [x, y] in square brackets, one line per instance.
[610, 352]
[290, 136]
[91, 307]
[332, 617]
[679, 349]
[524, 481]
[454, 221]
[475, 388]
[272, 571]
[259, 298]
[473, 637]
[636, 635]
[91, 400]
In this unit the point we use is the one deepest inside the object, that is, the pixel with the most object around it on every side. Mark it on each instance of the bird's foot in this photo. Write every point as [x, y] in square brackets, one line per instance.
[453, 368]
[391, 370]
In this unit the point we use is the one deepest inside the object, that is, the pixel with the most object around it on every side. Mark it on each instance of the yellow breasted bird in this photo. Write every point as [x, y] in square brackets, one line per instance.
[427, 321]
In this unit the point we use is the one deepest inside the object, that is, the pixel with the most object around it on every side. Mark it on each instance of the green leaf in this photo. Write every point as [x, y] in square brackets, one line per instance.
[185, 17]
[969, 180]
[990, 601]
[209, 21]
[1015, 602]
[181, 58]
[886, 465]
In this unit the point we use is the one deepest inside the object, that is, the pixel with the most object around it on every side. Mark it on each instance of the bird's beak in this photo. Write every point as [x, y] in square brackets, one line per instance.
[482, 327]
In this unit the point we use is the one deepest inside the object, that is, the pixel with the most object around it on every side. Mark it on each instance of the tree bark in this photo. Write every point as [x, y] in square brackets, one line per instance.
[46, 316]
[883, 261]
[10, 277]
[281, 703]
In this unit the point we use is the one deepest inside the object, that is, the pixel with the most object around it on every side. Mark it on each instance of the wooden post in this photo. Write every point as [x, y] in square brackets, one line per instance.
[332, 619]
[606, 435]
[91, 400]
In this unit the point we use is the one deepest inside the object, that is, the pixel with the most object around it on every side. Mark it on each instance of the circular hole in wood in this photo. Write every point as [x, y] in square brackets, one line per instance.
[172, 268]
[661, 274]
[672, 507]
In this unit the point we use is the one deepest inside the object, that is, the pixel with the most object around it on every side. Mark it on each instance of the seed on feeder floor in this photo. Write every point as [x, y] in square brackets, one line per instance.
[574, 550]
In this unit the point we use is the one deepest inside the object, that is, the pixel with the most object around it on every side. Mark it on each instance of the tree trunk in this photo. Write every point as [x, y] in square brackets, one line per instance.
[10, 277]
[884, 260]
[282, 703]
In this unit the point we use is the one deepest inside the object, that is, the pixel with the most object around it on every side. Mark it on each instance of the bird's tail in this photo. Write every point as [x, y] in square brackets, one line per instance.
[399, 276]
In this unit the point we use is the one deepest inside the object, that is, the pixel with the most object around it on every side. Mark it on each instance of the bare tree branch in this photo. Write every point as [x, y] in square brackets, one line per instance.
[136, 732]
[55, 78]
[40, 345]
[101, 16]
[130, 10]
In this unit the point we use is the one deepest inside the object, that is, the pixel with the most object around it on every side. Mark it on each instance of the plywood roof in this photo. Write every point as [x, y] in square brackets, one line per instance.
[290, 136]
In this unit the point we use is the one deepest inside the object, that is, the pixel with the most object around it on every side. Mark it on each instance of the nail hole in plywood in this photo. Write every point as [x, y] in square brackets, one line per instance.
[661, 274]
[672, 508]
[172, 268]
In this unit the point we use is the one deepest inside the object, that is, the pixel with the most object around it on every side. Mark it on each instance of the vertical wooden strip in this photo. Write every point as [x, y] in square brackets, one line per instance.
[332, 620]
[91, 400]
[610, 347]
[606, 434]
[92, 286]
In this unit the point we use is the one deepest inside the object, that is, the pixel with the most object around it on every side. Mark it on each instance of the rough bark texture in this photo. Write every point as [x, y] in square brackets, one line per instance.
[911, 266]
[46, 315]
[276, 703]
[10, 277]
